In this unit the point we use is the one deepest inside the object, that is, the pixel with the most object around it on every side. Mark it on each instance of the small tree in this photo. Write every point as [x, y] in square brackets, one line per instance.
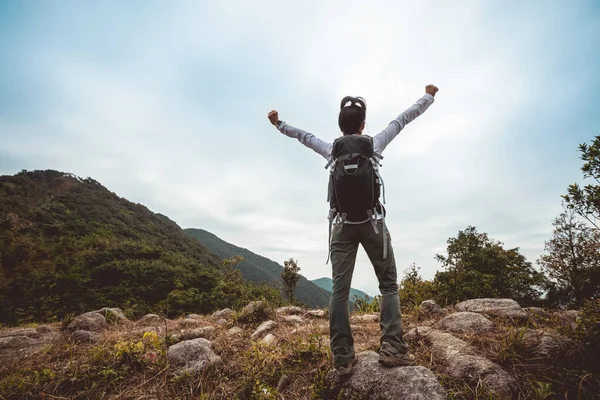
[290, 277]
[413, 289]
[478, 266]
[586, 200]
[572, 262]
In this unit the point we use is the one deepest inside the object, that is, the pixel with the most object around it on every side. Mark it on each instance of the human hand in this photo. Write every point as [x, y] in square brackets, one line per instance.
[431, 89]
[273, 117]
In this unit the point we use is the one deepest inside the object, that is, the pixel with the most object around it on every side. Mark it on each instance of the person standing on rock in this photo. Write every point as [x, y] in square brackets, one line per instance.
[356, 217]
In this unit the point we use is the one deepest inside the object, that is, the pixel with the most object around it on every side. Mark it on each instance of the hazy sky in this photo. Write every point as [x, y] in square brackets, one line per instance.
[165, 104]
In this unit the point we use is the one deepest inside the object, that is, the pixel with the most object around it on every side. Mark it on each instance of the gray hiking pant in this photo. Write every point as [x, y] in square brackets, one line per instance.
[344, 246]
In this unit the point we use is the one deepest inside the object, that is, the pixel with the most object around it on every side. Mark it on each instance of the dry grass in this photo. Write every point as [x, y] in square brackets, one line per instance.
[250, 370]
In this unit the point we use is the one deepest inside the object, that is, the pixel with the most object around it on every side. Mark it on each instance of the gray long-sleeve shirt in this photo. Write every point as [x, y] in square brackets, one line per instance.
[380, 140]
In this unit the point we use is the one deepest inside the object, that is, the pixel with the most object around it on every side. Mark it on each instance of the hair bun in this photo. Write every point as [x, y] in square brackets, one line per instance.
[350, 101]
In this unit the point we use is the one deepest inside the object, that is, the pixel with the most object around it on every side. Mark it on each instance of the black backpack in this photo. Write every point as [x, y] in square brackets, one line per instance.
[354, 182]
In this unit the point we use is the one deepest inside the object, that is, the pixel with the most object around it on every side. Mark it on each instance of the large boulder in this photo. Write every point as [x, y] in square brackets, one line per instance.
[459, 360]
[369, 380]
[91, 321]
[263, 328]
[430, 309]
[465, 322]
[192, 356]
[495, 307]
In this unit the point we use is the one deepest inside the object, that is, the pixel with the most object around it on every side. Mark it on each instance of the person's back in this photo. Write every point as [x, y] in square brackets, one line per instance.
[358, 217]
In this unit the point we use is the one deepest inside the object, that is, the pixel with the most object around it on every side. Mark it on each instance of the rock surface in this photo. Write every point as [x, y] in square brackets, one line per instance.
[568, 318]
[204, 332]
[150, 320]
[223, 314]
[269, 339]
[91, 321]
[263, 328]
[192, 356]
[365, 318]
[499, 307]
[465, 322]
[545, 344]
[431, 309]
[293, 319]
[536, 312]
[21, 342]
[316, 313]
[290, 310]
[85, 337]
[370, 380]
[459, 360]
[236, 330]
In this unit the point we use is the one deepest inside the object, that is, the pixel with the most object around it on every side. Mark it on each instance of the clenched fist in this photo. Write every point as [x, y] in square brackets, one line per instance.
[431, 89]
[273, 117]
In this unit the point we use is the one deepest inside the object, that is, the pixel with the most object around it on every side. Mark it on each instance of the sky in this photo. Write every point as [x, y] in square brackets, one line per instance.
[165, 104]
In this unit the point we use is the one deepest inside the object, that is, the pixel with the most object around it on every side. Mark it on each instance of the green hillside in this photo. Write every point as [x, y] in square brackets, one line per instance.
[259, 269]
[69, 245]
[327, 284]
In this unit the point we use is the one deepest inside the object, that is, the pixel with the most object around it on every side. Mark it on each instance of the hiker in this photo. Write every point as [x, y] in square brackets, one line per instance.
[357, 216]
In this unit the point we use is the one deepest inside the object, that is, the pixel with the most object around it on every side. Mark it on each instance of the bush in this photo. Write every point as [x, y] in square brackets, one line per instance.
[587, 335]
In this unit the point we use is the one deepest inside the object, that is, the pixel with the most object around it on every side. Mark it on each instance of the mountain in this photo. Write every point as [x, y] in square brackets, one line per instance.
[259, 269]
[327, 284]
[69, 245]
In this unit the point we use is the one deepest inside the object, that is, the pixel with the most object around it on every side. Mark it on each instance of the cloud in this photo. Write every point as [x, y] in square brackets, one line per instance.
[167, 107]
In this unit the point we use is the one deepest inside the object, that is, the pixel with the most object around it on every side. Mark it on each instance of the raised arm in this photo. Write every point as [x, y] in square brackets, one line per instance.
[382, 139]
[308, 139]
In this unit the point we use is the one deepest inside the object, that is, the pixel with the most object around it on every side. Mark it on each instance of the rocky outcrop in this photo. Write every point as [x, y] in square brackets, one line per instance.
[430, 309]
[459, 360]
[21, 342]
[496, 307]
[465, 322]
[91, 321]
[370, 380]
[192, 356]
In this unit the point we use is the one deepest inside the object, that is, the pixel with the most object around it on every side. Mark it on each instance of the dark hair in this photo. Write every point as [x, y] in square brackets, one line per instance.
[353, 111]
